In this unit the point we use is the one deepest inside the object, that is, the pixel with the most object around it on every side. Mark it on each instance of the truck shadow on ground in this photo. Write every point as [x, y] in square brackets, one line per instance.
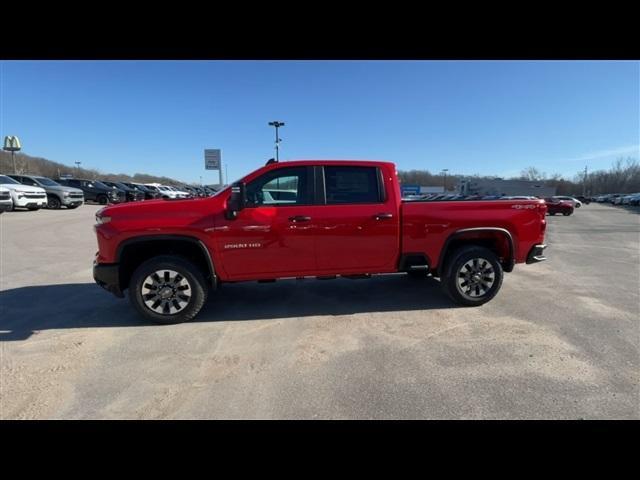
[26, 310]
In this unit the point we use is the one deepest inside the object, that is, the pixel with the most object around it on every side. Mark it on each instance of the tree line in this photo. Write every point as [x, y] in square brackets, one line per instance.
[26, 164]
[622, 177]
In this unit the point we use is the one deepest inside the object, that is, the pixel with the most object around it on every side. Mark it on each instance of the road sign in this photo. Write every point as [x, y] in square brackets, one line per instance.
[212, 159]
[410, 189]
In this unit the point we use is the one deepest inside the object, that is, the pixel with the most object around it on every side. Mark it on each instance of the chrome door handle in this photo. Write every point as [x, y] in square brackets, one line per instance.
[383, 216]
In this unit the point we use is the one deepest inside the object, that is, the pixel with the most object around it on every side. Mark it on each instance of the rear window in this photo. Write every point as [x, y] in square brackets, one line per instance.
[352, 185]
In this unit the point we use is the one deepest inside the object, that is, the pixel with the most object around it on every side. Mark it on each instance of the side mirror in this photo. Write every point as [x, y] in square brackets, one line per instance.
[237, 200]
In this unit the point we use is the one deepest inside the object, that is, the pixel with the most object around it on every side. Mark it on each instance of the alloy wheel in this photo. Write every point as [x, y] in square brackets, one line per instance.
[475, 278]
[166, 292]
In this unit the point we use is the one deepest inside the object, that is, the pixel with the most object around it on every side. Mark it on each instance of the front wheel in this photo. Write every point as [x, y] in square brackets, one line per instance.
[102, 199]
[566, 214]
[168, 289]
[472, 276]
[53, 202]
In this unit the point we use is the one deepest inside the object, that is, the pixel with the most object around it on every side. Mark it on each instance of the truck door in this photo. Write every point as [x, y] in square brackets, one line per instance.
[358, 224]
[274, 234]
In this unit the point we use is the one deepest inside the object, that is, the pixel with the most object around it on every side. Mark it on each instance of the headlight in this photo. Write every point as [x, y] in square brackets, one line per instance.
[65, 194]
[100, 219]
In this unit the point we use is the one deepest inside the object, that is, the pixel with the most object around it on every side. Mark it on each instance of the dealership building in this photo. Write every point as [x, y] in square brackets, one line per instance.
[498, 186]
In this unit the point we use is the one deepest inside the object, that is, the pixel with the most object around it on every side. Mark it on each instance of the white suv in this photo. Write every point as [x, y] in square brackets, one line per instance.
[5, 200]
[24, 196]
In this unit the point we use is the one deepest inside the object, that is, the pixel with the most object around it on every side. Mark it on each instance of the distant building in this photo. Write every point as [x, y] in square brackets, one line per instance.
[498, 186]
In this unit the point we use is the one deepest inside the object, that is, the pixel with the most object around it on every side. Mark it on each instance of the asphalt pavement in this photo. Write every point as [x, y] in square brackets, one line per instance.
[560, 341]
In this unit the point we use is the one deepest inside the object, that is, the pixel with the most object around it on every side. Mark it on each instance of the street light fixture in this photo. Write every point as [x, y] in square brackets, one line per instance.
[277, 124]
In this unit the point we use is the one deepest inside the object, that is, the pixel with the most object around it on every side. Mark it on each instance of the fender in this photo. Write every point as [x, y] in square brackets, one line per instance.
[197, 241]
[503, 231]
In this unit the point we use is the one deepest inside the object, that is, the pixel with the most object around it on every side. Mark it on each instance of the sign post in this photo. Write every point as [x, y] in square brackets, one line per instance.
[213, 161]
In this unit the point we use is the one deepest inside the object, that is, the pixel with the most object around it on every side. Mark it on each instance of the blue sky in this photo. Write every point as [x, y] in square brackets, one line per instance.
[468, 116]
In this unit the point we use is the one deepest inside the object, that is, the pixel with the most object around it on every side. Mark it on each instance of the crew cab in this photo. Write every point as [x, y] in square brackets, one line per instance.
[131, 194]
[319, 219]
[94, 191]
[24, 196]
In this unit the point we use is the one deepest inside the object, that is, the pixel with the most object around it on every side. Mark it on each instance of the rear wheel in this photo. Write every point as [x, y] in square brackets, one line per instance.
[566, 214]
[472, 276]
[168, 289]
[53, 202]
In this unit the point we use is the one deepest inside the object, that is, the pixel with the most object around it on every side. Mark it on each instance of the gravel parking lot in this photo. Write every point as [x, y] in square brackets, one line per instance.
[560, 341]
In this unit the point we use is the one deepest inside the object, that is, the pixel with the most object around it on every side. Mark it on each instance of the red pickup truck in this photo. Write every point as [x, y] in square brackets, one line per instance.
[309, 219]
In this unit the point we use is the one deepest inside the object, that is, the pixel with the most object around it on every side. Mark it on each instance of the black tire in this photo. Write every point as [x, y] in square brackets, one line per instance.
[566, 214]
[53, 202]
[102, 199]
[487, 264]
[33, 209]
[190, 274]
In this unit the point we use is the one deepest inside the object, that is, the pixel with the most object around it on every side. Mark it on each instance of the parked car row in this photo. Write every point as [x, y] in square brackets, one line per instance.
[619, 198]
[34, 192]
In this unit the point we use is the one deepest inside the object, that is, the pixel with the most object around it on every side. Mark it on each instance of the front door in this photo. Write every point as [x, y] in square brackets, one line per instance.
[274, 235]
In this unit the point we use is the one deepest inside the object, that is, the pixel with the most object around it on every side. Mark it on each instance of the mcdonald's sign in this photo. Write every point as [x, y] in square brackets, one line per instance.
[11, 143]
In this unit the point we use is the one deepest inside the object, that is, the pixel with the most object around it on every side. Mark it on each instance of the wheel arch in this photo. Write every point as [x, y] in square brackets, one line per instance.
[132, 252]
[497, 239]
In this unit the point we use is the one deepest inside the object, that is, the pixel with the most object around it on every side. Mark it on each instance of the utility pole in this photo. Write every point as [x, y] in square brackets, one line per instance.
[277, 124]
[444, 183]
[584, 183]
[77, 167]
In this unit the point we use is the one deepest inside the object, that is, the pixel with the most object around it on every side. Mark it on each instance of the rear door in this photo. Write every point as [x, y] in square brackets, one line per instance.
[358, 225]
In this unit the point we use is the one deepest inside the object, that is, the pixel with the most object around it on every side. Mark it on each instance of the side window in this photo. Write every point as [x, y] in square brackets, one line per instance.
[352, 185]
[285, 186]
[27, 181]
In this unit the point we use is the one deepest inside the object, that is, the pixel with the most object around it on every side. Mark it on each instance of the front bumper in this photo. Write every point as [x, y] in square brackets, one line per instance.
[74, 201]
[24, 202]
[6, 206]
[536, 254]
[107, 275]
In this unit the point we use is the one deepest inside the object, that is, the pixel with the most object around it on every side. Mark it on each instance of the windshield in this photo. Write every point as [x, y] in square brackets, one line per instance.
[5, 179]
[98, 184]
[46, 181]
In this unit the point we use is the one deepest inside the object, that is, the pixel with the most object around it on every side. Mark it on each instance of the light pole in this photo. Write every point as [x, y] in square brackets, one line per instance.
[277, 124]
[444, 183]
[77, 167]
